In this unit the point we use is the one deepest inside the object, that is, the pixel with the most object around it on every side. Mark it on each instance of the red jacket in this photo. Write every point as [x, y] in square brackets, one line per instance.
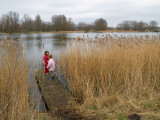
[45, 59]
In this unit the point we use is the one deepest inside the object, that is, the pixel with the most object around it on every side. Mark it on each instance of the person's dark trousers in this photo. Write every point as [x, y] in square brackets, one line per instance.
[52, 74]
[52, 78]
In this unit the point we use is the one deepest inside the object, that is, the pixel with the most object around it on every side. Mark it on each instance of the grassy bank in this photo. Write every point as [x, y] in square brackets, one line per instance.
[115, 74]
[15, 102]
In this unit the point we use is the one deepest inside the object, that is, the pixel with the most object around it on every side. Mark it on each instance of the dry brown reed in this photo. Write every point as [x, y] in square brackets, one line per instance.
[14, 96]
[114, 73]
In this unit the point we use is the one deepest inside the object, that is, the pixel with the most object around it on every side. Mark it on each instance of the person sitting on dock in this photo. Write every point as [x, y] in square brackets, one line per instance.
[51, 66]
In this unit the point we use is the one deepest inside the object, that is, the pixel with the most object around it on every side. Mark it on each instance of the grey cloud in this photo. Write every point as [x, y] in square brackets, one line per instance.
[114, 11]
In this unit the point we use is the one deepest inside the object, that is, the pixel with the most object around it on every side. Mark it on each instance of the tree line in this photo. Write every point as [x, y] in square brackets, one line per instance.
[11, 23]
[138, 26]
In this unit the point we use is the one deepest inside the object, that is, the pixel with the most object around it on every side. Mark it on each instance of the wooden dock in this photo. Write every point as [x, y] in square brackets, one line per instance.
[58, 100]
[54, 94]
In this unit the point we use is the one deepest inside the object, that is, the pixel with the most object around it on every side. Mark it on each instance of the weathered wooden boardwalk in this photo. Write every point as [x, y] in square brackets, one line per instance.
[57, 99]
[54, 94]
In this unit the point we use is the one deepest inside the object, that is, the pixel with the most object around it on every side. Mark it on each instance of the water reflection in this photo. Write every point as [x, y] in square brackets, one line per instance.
[28, 37]
[38, 36]
[61, 37]
[60, 40]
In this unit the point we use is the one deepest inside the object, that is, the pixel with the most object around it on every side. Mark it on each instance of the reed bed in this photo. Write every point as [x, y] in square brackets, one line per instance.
[114, 73]
[14, 96]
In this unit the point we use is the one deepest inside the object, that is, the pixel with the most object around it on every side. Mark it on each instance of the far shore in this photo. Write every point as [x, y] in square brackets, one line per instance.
[104, 31]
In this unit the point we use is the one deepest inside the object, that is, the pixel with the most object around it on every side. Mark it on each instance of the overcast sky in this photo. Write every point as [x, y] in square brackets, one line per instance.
[114, 11]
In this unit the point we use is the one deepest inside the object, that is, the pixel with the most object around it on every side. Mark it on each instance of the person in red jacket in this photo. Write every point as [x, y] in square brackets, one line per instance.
[46, 59]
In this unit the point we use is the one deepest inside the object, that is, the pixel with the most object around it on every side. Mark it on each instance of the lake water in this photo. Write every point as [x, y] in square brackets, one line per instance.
[36, 44]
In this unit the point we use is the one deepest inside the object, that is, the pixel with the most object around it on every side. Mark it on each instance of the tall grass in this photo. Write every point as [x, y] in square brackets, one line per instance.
[115, 73]
[14, 97]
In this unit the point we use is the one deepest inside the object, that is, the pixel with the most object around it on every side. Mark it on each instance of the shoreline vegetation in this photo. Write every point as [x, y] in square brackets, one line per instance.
[114, 75]
[15, 101]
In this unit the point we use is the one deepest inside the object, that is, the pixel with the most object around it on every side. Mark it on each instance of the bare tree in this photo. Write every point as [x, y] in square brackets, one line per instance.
[38, 23]
[59, 23]
[153, 25]
[132, 25]
[71, 25]
[27, 23]
[100, 24]
[10, 22]
[141, 26]
[81, 25]
[46, 26]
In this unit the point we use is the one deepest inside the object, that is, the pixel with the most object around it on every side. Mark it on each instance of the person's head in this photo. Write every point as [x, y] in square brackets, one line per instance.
[46, 52]
[50, 56]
